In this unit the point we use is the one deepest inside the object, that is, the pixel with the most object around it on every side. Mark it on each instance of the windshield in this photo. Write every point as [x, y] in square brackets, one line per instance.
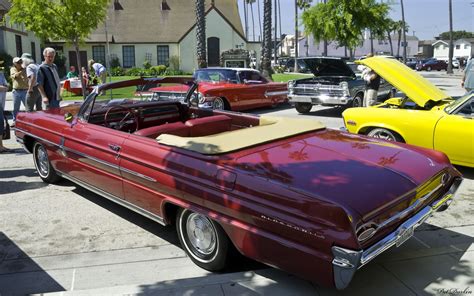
[456, 103]
[216, 75]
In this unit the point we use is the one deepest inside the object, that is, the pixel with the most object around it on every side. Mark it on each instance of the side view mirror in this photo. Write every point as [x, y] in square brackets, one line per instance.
[68, 117]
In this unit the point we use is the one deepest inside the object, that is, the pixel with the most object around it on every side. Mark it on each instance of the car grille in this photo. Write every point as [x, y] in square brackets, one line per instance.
[318, 90]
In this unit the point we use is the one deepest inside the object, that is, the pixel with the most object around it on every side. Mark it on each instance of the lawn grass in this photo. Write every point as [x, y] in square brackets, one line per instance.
[285, 77]
[129, 91]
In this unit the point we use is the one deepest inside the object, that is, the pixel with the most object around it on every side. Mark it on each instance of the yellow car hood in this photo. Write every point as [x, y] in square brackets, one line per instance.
[417, 88]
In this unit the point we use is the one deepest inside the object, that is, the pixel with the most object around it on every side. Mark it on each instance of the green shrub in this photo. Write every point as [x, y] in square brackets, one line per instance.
[279, 69]
[135, 72]
[146, 64]
[157, 70]
[114, 62]
[174, 62]
[117, 71]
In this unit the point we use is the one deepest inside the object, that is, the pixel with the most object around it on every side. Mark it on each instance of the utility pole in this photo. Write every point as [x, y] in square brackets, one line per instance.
[296, 36]
[275, 34]
[451, 46]
[404, 34]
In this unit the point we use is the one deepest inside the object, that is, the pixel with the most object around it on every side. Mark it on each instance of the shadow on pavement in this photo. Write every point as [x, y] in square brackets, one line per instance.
[328, 112]
[19, 274]
[467, 173]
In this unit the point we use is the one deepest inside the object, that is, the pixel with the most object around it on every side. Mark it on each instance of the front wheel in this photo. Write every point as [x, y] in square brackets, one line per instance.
[203, 240]
[303, 107]
[428, 69]
[219, 104]
[385, 134]
[358, 101]
[43, 165]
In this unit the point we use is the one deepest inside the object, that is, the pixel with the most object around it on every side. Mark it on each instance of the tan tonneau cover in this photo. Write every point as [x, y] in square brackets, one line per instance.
[269, 129]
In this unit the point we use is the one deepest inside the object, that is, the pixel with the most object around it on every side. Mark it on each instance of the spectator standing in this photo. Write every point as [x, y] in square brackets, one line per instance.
[99, 70]
[72, 73]
[468, 77]
[372, 85]
[3, 93]
[85, 76]
[3, 87]
[48, 80]
[33, 96]
[20, 86]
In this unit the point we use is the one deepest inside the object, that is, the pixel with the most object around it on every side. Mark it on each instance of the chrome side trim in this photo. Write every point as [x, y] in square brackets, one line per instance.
[39, 138]
[275, 93]
[111, 165]
[114, 198]
[138, 174]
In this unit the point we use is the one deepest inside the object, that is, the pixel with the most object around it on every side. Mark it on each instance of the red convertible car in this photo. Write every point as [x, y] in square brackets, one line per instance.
[287, 192]
[234, 89]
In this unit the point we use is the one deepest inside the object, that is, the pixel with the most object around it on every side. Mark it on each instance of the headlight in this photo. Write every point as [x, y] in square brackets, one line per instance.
[291, 83]
[345, 87]
[201, 98]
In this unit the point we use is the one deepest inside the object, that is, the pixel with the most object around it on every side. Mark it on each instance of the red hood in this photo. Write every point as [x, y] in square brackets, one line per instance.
[349, 170]
[171, 88]
[206, 86]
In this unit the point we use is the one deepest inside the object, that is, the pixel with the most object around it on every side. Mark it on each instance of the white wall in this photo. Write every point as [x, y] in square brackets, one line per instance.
[464, 48]
[215, 27]
[441, 51]
[26, 39]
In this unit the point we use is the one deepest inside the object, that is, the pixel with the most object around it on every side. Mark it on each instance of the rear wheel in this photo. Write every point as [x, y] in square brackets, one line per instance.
[43, 165]
[203, 240]
[428, 69]
[303, 107]
[385, 134]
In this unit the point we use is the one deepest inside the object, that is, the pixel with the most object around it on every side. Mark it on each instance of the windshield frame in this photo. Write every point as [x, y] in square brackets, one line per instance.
[456, 104]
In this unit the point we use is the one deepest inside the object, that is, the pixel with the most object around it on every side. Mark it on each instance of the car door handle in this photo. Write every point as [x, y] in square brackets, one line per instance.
[114, 147]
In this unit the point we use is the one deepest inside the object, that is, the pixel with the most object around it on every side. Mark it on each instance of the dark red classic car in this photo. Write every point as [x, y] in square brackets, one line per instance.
[290, 193]
[234, 89]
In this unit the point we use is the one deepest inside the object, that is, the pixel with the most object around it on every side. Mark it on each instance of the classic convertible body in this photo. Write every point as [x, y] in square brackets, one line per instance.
[235, 89]
[287, 192]
[425, 117]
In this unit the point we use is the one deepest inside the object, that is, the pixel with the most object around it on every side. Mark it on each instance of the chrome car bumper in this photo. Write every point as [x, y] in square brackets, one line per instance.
[319, 100]
[346, 262]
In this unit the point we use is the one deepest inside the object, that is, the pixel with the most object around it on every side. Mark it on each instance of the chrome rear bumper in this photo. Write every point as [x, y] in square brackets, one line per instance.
[346, 262]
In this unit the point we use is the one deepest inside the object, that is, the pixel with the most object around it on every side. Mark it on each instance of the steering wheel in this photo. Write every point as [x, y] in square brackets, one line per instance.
[129, 114]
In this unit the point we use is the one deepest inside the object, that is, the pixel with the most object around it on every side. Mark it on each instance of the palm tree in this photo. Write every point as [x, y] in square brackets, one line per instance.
[259, 20]
[400, 26]
[253, 20]
[200, 34]
[246, 19]
[267, 36]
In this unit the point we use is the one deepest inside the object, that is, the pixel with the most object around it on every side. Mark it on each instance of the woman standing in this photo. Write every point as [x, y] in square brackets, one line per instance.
[3, 93]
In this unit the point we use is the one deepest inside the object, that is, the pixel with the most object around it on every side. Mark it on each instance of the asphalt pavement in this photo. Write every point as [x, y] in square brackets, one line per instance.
[62, 239]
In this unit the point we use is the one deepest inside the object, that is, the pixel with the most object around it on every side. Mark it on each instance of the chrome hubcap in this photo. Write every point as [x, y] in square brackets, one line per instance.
[42, 161]
[384, 135]
[201, 233]
[219, 104]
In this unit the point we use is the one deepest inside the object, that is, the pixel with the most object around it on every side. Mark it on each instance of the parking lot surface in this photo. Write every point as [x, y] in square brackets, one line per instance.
[64, 239]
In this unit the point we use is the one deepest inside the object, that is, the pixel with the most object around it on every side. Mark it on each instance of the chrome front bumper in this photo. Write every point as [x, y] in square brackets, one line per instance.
[346, 262]
[319, 100]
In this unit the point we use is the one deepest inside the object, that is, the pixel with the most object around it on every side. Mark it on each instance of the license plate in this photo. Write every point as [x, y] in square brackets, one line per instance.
[405, 235]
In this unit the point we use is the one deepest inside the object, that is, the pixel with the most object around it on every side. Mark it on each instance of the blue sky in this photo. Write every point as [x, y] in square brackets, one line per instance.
[427, 18]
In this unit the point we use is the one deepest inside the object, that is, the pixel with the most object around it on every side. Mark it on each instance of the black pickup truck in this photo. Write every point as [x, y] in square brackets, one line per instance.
[334, 83]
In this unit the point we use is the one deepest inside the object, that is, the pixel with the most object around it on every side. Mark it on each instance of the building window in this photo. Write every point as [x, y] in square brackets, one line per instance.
[163, 55]
[458, 46]
[19, 48]
[128, 56]
[98, 54]
[33, 50]
[466, 46]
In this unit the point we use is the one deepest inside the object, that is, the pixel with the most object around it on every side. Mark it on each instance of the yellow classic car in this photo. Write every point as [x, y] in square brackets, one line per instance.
[425, 116]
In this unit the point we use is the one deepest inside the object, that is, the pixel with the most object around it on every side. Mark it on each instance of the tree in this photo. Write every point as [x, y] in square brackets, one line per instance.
[404, 25]
[267, 36]
[399, 27]
[299, 4]
[456, 35]
[70, 20]
[343, 20]
[200, 34]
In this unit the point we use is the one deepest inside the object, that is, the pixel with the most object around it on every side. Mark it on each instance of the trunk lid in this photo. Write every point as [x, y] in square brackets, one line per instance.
[352, 171]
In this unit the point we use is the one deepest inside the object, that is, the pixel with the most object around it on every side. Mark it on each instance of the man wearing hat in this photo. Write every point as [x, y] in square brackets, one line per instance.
[33, 97]
[20, 85]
